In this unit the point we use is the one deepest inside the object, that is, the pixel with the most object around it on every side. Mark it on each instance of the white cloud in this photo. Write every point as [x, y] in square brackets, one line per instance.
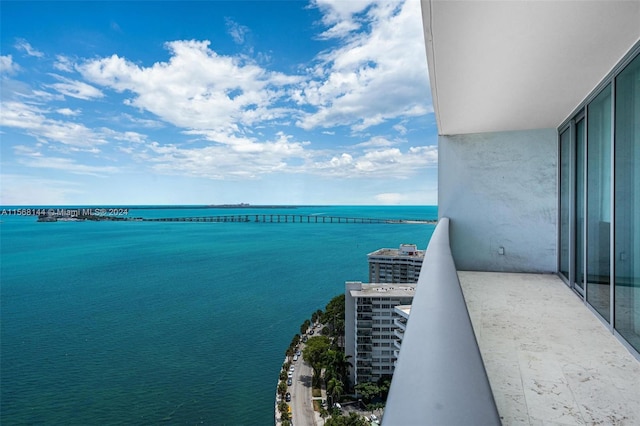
[76, 89]
[33, 119]
[376, 141]
[339, 16]
[197, 88]
[32, 157]
[234, 159]
[68, 112]
[7, 66]
[63, 63]
[373, 76]
[390, 163]
[22, 44]
[235, 30]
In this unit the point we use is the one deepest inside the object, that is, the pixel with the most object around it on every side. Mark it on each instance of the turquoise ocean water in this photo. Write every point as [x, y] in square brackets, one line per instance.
[169, 323]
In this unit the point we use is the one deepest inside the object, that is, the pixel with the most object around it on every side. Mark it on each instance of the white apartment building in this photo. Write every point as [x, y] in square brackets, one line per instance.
[371, 329]
[401, 265]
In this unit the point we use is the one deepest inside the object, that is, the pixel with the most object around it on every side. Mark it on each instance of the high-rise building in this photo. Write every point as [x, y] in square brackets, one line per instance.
[401, 265]
[537, 106]
[371, 328]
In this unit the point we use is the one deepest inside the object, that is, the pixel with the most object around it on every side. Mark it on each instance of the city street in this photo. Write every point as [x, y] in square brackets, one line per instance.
[301, 404]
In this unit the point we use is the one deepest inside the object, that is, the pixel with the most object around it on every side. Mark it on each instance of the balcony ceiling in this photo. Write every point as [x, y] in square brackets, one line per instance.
[514, 65]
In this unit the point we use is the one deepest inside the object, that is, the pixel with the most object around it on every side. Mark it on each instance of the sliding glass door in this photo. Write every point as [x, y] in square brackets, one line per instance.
[627, 204]
[599, 200]
[579, 207]
[598, 213]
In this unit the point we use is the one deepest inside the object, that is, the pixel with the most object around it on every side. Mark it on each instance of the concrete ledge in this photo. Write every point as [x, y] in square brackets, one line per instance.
[440, 378]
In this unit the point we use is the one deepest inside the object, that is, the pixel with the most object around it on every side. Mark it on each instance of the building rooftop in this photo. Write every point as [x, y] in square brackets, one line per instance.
[386, 290]
[397, 253]
[549, 359]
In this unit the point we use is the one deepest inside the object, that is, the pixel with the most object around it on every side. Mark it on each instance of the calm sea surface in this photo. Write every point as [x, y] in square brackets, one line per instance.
[169, 323]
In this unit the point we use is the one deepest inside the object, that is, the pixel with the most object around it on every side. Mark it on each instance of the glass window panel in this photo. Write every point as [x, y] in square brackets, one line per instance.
[579, 206]
[565, 208]
[627, 204]
[599, 202]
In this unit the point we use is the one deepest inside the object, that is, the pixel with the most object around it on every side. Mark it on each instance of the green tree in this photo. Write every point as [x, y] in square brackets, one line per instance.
[338, 364]
[384, 383]
[351, 420]
[335, 388]
[305, 326]
[323, 413]
[314, 353]
[282, 388]
[333, 317]
[368, 391]
[283, 407]
[289, 353]
[316, 316]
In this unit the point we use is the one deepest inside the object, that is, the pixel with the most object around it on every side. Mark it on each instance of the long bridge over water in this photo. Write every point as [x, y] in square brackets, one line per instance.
[286, 218]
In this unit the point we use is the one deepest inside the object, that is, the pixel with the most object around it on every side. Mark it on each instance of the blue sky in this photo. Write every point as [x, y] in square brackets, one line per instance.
[212, 102]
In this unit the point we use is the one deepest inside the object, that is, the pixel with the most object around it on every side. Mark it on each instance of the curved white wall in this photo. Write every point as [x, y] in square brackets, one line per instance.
[499, 190]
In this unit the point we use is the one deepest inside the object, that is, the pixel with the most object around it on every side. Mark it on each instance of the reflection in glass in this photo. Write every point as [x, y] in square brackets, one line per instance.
[565, 179]
[579, 206]
[599, 202]
[627, 202]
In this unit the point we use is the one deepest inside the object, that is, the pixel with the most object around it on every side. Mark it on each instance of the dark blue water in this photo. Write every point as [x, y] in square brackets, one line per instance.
[175, 323]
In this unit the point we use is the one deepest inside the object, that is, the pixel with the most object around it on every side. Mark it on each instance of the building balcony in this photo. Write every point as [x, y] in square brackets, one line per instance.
[507, 348]
[549, 359]
[401, 323]
[398, 333]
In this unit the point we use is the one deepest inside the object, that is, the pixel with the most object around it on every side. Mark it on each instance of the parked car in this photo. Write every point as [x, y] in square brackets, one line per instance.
[298, 353]
[289, 381]
[290, 374]
[287, 397]
[295, 358]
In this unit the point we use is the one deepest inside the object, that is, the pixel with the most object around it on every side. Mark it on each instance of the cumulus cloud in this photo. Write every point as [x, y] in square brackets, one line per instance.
[389, 163]
[7, 66]
[22, 44]
[370, 78]
[197, 88]
[340, 16]
[234, 159]
[235, 113]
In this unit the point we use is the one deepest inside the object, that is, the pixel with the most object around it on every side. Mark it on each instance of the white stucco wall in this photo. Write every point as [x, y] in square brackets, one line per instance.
[499, 190]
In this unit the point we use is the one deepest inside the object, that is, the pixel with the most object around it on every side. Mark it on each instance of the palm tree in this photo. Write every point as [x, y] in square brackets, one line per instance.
[338, 365]
[335, 388]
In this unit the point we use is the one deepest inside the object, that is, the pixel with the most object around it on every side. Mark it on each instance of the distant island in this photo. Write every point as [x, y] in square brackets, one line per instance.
[85, 217]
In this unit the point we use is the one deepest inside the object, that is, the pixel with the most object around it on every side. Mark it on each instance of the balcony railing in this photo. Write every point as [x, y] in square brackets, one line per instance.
[440, 378]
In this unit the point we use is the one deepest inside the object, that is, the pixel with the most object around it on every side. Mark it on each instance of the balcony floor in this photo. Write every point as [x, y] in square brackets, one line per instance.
[550, 361]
